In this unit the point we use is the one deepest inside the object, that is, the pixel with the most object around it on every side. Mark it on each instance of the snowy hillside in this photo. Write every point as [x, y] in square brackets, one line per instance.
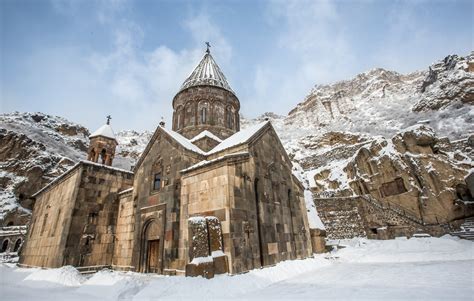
[381, 102]
[401, 269]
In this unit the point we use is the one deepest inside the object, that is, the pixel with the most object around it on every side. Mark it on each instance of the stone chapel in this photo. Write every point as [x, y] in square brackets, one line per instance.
[204, 197]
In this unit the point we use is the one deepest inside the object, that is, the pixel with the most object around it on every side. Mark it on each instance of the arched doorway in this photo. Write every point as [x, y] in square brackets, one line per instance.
[151, 250]
[4, 246]
[17, 245]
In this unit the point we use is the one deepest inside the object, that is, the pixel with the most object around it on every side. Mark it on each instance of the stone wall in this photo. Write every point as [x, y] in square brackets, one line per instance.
[124, 233]
[91, 233]
[50, 223]
[74, 218]
[221, 117]
[363, 216]
[165, 157]
[260, 205]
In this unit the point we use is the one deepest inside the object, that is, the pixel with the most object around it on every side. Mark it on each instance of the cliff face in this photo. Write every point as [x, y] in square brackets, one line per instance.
[382, 102]
[411, 171]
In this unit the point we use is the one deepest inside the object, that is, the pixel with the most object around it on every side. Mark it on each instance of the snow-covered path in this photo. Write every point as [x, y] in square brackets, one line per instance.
[414, 269]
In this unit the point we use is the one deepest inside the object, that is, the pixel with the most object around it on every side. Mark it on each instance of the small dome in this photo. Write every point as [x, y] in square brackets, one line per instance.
[207, 73]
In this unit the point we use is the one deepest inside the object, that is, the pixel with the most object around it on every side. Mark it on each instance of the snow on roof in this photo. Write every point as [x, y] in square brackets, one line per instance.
[238, 138]
[234, 140]
[105, 131]
[207, 162]
[206, 133]
[207, 73]
[183, 141]
[57, 179]
[125, 191]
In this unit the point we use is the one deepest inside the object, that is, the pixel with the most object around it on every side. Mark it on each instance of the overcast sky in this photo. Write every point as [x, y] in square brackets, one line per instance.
[86, 59]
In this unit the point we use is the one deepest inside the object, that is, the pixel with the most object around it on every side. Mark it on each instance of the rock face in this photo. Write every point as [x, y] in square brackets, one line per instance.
[409, 172]
[447, 81]
[381, 102]
[34, 149]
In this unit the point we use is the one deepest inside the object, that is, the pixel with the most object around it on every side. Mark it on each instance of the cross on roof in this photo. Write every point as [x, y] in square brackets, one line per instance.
[108, 119]
[208, 46]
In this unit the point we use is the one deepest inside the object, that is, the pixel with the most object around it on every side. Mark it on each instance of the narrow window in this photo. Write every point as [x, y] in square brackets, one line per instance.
[203, 115]
[44, 224]
[102, 155]
[157, 182]
[54, 230]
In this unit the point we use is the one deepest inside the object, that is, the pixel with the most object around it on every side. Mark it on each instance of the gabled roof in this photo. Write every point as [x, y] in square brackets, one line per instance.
[238, 138]
[70, 170]
[205, 133]
[104, 131]
[207, 73]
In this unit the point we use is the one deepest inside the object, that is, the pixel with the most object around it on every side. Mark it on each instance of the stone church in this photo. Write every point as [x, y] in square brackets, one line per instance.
[204, 197]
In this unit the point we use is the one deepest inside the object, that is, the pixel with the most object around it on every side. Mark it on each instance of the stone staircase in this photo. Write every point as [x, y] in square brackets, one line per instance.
[467, 229]
[402, 212]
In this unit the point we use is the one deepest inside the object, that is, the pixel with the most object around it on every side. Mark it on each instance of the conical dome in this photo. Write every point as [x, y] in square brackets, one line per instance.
[207, 73]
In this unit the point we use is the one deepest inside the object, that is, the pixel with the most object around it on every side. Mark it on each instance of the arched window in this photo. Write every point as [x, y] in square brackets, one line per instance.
[10, 224]
[17, 245]
[4, 246]
[92, 155]
[102, 155]
[203, 112]
[203, 115]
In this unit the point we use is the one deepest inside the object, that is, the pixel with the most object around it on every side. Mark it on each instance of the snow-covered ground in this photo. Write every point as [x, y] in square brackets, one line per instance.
[401, 269]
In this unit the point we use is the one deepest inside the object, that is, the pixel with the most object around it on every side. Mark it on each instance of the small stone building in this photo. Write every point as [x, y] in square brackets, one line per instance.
[204, 197]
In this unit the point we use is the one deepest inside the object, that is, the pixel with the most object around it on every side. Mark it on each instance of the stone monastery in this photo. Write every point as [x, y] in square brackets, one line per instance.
[204, 198]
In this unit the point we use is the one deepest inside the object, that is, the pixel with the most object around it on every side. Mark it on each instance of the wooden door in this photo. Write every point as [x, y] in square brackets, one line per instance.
[153, 256]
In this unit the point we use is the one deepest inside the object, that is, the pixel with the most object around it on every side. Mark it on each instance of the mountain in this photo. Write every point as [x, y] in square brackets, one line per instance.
[324, 134]
[381, 102]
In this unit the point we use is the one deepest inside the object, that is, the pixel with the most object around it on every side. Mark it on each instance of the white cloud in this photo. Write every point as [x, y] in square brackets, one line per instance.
[310, 36]
[148, 80]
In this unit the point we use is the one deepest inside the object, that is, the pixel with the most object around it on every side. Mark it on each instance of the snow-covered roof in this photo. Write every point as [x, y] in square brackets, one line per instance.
[104, 131]
[183, 141]
[67, 172]
[207, 73]
[207, 162]
[238, 138]
[206, 133]
[234, 140]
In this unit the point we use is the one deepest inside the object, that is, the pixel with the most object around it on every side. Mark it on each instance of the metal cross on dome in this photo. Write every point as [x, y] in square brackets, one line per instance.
[108, 119]
[208, 46]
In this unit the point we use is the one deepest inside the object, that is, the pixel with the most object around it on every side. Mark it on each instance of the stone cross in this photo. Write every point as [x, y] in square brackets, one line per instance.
[208, 46]
[108, 119]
